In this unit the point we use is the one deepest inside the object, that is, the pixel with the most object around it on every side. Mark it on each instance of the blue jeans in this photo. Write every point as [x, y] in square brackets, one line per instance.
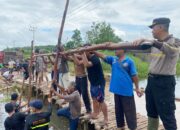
[65, 112]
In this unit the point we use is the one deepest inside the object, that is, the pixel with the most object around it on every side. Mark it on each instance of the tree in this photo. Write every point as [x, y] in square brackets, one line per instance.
[69, 45]
[76, 40]
[101, 32]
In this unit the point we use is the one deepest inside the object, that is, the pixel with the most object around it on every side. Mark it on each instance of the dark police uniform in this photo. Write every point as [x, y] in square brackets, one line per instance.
[39, 121]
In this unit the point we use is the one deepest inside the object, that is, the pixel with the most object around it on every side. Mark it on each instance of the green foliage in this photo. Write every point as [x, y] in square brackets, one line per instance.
[76, 40]
[27, 50]
[178, 68]
[101, 32]
[142, 66]
[69, 45]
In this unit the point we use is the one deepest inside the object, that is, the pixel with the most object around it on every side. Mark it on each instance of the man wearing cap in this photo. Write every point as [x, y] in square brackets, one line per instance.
[160, 90]
[38, 120]
[15, 120]
[74, 110]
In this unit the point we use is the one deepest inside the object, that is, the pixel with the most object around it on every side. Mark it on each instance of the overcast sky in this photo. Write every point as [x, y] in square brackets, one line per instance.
[129, 18]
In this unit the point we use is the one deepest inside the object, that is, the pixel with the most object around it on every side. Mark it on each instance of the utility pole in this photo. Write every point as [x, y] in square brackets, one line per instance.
[33, 29]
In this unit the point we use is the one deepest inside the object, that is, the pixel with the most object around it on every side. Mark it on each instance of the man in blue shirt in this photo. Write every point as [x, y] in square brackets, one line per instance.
[123, 75]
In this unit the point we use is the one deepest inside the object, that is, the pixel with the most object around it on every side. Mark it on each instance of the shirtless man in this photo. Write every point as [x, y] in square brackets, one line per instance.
[81, 80]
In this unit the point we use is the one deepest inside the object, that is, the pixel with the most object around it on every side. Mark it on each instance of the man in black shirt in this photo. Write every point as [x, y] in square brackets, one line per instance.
[15, 121]
[97, 82]
[25, 70]
[38, 120]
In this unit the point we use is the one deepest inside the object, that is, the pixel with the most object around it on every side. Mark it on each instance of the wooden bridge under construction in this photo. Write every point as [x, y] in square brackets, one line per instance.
[86, 123]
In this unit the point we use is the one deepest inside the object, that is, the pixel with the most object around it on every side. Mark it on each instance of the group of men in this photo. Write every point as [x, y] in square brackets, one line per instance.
[159, 93]
[33, 118]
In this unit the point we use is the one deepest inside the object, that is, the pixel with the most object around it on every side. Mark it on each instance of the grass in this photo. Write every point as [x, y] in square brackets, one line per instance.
[5, 98]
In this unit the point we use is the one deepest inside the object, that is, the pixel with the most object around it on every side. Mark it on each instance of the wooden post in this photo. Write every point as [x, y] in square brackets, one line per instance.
[22, 90]
[59, 43]
[30, 72]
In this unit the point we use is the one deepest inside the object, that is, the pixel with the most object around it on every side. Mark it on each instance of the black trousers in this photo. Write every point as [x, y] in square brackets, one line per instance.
[160, 99]
[82, 87]
[125, 106]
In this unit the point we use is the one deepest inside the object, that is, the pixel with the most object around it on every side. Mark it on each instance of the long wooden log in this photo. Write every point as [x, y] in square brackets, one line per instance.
[103, 46]
[110, 46]
[48, 54]
[59, 43]
[22, 90]
[30, 72]
[59, 40]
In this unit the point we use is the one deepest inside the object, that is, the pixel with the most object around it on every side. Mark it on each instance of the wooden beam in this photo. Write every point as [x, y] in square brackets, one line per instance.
[110, 46]
[59, 43]
[30, 72]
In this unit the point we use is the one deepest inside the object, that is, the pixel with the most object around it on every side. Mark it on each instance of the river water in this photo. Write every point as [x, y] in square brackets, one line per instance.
[143, 84]
[62, 123]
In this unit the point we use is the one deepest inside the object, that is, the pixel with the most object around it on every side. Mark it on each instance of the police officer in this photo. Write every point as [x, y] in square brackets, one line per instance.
[160, 90]
[38, 120]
